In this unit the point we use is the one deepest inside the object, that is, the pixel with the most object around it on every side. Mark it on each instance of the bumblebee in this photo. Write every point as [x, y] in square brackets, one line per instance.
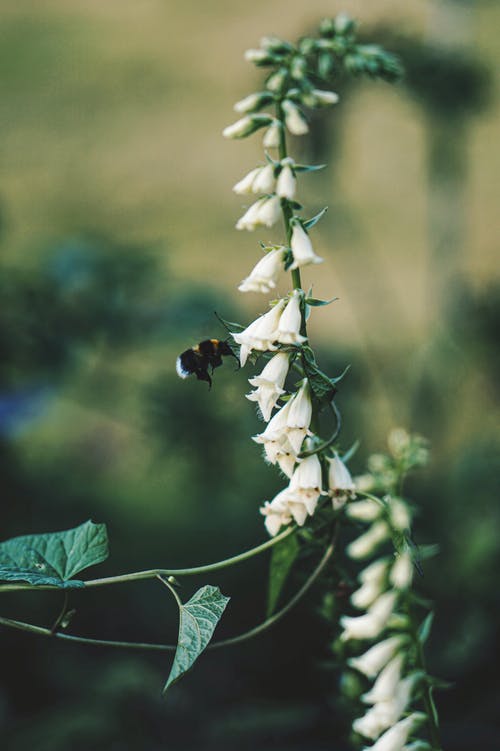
[197, 360]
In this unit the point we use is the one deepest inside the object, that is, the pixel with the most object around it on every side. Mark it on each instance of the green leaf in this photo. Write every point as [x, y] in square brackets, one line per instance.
[197, 621]
[321, 385]
[350, 452]
[229, 325]
[315, 303]
[315, 219]
[53, 558]
[425, 628]
[338, 378]
[282, 560]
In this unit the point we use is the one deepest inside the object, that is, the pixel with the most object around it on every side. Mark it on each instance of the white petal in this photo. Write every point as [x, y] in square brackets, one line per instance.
[371, 662]
[287, 184]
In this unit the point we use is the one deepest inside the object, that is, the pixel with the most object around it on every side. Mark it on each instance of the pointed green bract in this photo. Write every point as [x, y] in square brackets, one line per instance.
[55, 557]
[198, 618]
[282, 559]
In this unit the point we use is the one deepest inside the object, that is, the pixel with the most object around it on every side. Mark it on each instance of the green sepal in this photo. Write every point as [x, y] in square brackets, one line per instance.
[198, 618]
[283, 557]
[308, 167]
[315, 303]
[338, 378]
[307, 224]
[326, 64]
[230, 325]
[425, 627]
[52, 559]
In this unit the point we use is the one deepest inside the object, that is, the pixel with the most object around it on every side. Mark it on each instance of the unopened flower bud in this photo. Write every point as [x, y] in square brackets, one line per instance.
[253, 102]
[374, 659]
[246, 126]
[286, 185]
[272, 136]
[369, 541]
[294, 119]
[402, 571]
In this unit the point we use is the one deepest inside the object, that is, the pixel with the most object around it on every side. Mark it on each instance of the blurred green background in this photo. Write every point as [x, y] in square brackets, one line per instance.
[117, 244]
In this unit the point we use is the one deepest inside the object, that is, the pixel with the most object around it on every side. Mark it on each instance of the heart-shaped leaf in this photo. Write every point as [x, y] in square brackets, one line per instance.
[198, 618]
[53, 558]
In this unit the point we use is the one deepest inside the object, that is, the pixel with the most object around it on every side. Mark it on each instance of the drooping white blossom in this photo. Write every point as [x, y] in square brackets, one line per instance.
[302, 249]
[290, 322]
[363, 511]
[366, 595]
[375, 571]
[266, 211]
[264, 181]
[340, 483]
[265, 273]
[306, 482]
[286, 185]
[395, 738]
[269, 384]
[299, 416]
[272, 136]
[325, 98]
[252, 102]
[245, 185]
[368, 542]
[277, 515]
[294, 119]
[384, 687]
[372, 623]
[402, 571]
[399, 514]
[371, 662]
[260, 334]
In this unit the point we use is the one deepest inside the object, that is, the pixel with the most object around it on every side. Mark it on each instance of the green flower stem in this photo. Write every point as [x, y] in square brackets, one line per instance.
[285, 206]
[427, 698]
[31, 628]
[154, 573]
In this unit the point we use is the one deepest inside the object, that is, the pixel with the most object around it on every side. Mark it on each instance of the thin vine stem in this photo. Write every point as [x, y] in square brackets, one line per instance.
[156, 572]
[41, 631]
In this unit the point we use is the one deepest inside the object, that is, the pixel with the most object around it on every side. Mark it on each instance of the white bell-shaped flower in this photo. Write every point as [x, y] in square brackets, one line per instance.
[269, 384]
[371, 662]
[238, 129]
[363, 511]
[375, 572]
[366, 595]
[302, 249]
[277, 514]
[265, 273]
[385, 686]
[266, 211]
[299, 417]
[324, 98]
[340, 483]
[395, 738]
[286, 185]
[260, 334]
[294, 119]
[245, 185]
[372, 623]
[272, 136]
[291, 321]
[264, 181]
[306, 481]
[402, 571]
[368, 542]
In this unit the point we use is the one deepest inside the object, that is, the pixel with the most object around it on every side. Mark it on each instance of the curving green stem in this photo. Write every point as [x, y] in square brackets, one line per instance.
[155, 572]
[41, 631]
